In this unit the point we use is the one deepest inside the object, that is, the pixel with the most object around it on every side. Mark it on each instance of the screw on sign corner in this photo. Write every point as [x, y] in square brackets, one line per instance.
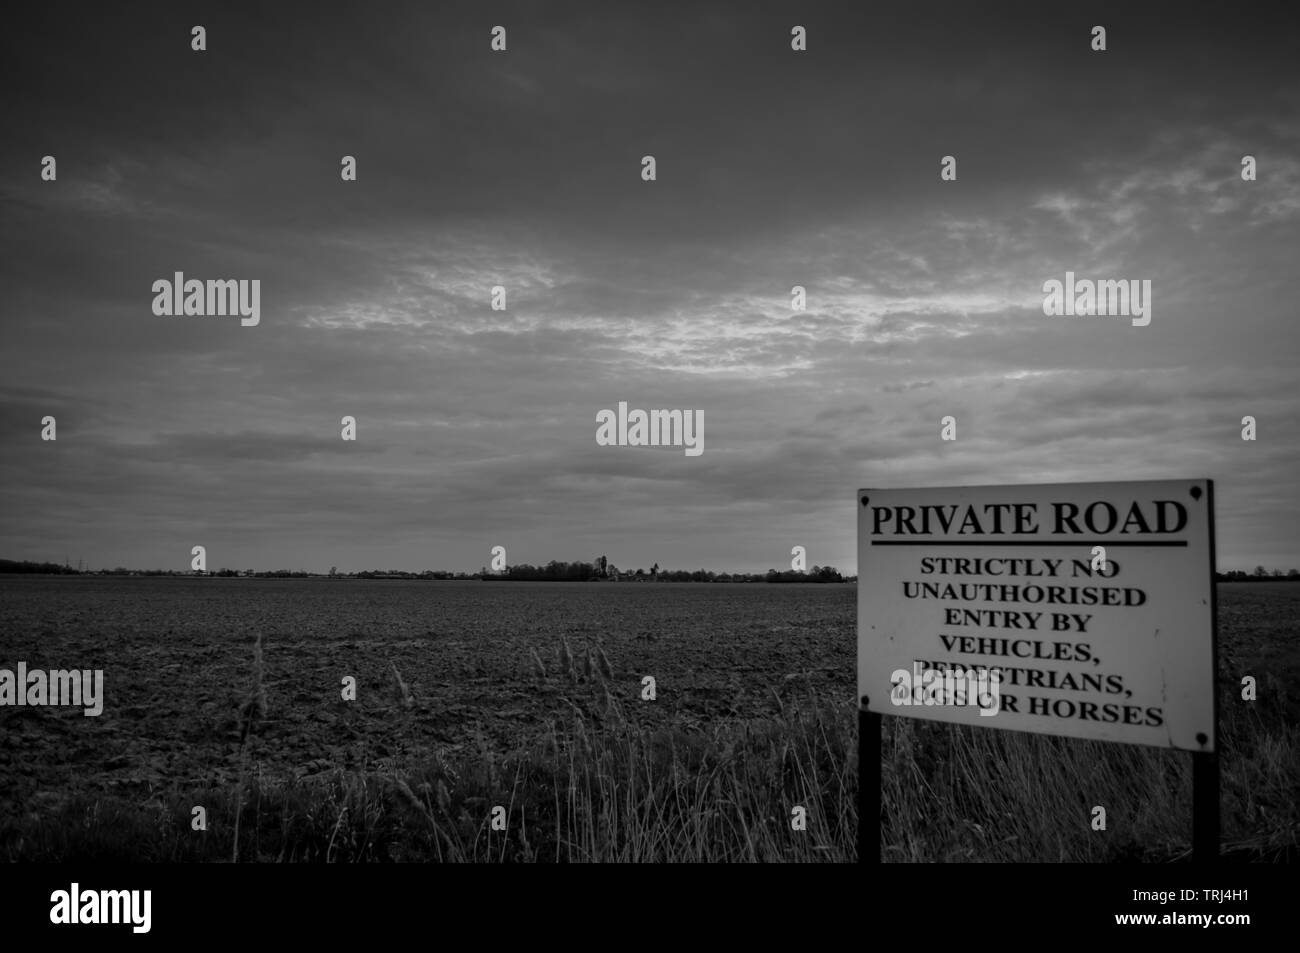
[1196, 495]
[865, 500]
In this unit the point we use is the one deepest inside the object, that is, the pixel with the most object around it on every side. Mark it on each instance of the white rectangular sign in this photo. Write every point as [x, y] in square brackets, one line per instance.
[993, 606]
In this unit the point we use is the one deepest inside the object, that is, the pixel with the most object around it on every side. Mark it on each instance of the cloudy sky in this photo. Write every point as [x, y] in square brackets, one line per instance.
[476, 428]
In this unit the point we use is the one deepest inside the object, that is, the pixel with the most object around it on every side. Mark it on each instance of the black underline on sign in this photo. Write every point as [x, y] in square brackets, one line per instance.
[1021, 542]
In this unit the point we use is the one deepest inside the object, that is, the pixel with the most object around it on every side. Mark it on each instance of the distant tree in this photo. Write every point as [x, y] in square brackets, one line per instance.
[1261, 571]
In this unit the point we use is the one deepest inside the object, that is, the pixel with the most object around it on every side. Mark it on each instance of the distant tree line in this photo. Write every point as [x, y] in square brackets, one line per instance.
[13, 565]
[27, 566]
[223, 572]
[404, 574]
[1259, 575]
[555, 571]
[601, 570]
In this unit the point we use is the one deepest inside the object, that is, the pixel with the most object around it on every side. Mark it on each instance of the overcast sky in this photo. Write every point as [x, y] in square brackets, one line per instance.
[476, 428]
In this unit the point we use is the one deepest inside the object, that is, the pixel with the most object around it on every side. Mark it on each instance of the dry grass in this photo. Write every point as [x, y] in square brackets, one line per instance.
[403, 691]
[603, 787]
[254, 707]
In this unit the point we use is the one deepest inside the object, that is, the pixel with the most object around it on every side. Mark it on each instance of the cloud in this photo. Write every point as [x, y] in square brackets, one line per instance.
[476, 426]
